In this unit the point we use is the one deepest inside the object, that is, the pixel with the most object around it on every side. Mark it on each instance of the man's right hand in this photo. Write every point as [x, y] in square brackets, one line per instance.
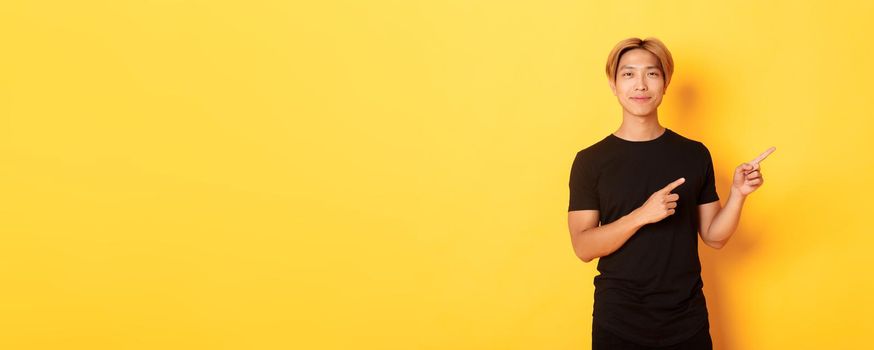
[660, 204]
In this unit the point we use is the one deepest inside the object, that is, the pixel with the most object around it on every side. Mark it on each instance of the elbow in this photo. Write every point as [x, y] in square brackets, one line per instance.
[582, 256]
[715, 244]
[585, 259]
[711, 243]
[586, 256]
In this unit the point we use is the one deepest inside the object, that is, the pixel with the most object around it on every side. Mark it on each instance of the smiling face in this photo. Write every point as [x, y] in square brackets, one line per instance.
[640, 84]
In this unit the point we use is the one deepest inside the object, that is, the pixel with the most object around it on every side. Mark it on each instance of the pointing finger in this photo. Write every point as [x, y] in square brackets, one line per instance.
[671, 186]
[764, 155]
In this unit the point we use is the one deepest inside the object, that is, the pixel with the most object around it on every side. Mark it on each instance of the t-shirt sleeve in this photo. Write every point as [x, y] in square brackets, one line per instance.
[583, 181]
[708, 191]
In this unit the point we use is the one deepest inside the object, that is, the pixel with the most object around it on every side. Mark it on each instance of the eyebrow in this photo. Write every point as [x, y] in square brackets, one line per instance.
[627, 67]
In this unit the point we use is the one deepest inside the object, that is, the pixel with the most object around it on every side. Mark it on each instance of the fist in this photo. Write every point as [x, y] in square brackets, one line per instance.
[660, 204]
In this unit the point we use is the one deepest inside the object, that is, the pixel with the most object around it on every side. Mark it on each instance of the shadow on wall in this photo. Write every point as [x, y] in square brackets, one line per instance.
[717, 263]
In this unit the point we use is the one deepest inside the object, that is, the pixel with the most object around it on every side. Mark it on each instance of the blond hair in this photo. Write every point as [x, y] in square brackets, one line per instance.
[651, 44]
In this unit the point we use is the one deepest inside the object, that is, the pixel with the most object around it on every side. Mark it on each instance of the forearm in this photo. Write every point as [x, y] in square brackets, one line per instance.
[605, 239]
[725, 222]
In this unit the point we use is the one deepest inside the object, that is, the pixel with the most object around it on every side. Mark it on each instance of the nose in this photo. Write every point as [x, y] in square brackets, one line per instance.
[640, 84]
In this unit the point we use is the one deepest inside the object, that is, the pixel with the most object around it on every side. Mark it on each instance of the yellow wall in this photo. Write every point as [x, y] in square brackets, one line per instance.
[393, 174]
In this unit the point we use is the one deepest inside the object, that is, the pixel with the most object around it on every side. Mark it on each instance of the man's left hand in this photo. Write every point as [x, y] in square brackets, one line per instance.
[748, 176]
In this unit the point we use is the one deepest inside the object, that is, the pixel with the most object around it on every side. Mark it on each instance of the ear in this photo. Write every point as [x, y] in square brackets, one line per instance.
[612, 87]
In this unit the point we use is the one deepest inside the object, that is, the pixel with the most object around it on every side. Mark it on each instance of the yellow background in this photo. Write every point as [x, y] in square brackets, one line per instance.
[393, 174]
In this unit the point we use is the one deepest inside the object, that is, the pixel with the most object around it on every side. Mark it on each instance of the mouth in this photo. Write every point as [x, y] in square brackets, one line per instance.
[641, 99]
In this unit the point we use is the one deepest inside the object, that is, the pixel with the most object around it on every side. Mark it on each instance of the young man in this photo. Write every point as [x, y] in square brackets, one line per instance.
[639, 198]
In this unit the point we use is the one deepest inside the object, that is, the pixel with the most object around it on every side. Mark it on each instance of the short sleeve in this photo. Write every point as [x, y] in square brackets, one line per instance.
[582, 185]
[708, 190]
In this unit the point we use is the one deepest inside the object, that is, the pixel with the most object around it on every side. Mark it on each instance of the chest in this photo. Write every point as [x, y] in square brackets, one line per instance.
[628, 178]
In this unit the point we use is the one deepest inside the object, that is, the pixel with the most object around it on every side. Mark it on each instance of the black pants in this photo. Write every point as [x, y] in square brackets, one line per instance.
[602, 339]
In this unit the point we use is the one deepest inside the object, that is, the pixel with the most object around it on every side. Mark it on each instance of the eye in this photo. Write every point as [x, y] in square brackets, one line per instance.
[654, 73]
[623, 74]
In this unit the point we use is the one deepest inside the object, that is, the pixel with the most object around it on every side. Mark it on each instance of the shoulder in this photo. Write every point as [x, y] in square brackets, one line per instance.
[590, 159]
[686, 140]
[595, 150]
[692, 144]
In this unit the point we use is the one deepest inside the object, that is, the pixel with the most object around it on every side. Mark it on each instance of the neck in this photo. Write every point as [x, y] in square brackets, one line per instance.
[639, 128]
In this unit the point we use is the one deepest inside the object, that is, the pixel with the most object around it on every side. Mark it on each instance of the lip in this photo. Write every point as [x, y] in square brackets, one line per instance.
[641, 99]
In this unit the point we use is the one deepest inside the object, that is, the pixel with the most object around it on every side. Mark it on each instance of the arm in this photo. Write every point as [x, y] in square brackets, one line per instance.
[717, 224]
[591, 241]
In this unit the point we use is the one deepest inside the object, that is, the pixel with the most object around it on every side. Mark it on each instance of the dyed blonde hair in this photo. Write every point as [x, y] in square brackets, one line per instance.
[651, 44]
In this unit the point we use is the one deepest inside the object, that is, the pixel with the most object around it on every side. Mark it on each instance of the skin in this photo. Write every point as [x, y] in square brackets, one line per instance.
[639, 74]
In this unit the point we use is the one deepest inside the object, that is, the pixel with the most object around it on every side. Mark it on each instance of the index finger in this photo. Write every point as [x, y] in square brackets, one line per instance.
[762, 156]
[671, 186]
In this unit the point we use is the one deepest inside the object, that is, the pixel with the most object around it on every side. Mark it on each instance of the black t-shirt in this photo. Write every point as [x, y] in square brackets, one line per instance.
[649, 291]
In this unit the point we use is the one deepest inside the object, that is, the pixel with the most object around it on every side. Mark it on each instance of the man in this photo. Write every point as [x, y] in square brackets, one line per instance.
[639, 198]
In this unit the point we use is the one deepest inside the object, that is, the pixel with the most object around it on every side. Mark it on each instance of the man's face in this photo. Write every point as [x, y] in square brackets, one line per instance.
[639, 75]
